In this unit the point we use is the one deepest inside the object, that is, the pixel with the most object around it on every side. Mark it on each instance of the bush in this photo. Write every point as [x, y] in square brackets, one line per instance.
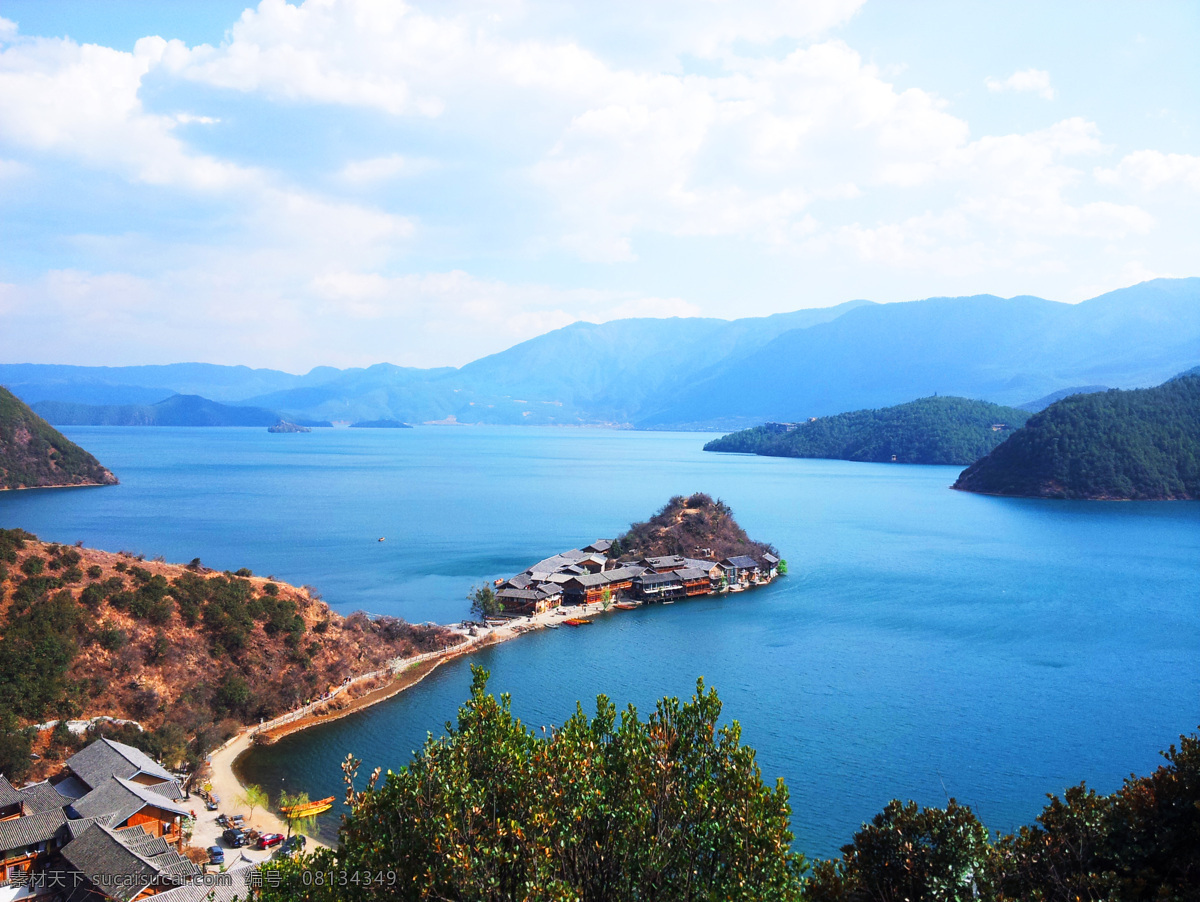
[112, 639]
[95, 571]
[33, 565]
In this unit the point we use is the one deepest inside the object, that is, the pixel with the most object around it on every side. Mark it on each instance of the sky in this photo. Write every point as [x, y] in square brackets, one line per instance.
[347, 182]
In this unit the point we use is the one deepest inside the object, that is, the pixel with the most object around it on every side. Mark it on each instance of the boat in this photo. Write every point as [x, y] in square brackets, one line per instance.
[307, 809]
[736, 587]
[576, 621]
[553, 626]
[627, 606]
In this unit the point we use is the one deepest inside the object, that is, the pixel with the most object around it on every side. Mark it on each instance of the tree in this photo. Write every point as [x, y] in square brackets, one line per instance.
[782, 568]
[606, 598]
[302, 824]
[15, 746]
[254, 797]
[604, 808]
[908, 853]
[484, 602]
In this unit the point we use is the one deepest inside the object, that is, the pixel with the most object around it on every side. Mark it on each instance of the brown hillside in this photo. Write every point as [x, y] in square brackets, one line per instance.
[188, 652]
[33, 454]
[692, 526]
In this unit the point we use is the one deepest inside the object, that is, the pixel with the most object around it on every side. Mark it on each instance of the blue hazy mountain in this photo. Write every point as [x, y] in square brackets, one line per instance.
[1045, 401]
[177, 410]
[714, 374]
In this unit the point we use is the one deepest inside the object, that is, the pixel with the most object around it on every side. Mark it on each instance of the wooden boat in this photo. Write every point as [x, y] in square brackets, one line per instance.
[576, 621]
[308, 809]
[627, 606]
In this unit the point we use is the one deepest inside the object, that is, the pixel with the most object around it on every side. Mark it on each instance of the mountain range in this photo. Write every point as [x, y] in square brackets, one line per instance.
[696, 373]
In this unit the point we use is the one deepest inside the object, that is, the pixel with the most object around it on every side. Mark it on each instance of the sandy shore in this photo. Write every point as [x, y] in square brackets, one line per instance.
[223, 762]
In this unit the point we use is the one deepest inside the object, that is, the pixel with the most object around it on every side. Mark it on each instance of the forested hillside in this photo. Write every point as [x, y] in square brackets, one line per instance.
[936, 430]
[190, 653]
[34, 454]
[1142, 444]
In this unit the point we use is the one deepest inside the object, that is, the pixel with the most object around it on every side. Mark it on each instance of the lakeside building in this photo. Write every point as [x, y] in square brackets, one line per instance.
[584, 576]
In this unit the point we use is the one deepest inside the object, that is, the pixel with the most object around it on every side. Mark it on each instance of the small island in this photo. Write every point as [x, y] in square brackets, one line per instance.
[691, 547]
[285, 426]
[380, 424]
[936, 430]
[1141, 445]
[33, 454]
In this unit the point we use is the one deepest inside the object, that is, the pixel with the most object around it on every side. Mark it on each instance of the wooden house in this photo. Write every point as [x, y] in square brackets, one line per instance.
[695, 581]
[653, 586]
[741, 568]
[125, 803]
[26, 842]
[665, 564]
[104, 758]
[123, 864]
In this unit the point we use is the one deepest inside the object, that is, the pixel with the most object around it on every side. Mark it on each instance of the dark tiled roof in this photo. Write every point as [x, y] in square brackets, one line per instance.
[42, 797]
[667, 560]
[691, 573]
[697, 564]
[72, 787]
[623, 573]
[659, 579]
[122, 863]
[600, 545]
[123, 799]
[520, 581]
[31, 829]
[519, 595]
[104, 758]
[237, 887]
[741, 562]
[79, 826]
[8, 795]
[551, 564]
[770, 559]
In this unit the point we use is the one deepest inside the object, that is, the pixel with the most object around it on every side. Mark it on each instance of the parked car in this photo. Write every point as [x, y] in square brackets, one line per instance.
[270, 840]
[234, 837]
[216, 855]
[295, 844]
[212, 803]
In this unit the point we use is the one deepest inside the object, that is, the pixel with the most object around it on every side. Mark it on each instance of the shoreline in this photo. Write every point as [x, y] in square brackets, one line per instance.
[223, 762]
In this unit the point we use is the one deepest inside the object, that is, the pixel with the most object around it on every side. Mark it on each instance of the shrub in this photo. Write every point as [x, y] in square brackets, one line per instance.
[33, 565]
[112, 639]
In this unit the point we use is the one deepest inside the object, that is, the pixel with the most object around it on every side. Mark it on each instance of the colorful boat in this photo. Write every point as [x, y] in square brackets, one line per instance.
[307, 809]
[627, 606]
[576, 621]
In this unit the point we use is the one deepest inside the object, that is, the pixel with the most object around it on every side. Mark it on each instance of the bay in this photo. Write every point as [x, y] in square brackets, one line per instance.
[926, 643]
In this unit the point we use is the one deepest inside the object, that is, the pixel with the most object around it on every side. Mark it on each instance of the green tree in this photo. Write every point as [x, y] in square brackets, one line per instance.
[484, 602]
[296, 824]
[15, 746]
[254, 797]
[606, 598]
[908, 852]
[782, 568]
[604, 809]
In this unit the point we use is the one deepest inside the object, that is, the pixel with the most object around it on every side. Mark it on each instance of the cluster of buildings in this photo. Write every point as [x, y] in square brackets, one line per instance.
[110, 827]
[590, 575]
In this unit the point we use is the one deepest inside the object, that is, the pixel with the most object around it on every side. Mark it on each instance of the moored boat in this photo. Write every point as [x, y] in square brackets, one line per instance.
[307, 809]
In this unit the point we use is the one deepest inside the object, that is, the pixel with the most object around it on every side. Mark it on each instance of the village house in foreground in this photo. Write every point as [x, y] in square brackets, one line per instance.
[589, 575]
[110, 827]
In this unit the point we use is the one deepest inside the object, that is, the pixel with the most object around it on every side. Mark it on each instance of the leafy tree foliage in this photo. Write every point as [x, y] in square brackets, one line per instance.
[1142, 444]
[484, 602]
[938, 430]
[604, 809]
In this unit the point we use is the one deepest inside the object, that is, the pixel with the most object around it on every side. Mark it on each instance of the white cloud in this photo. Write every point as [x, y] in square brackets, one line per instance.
[1152, 169]
[379, 169]
[1036, 81]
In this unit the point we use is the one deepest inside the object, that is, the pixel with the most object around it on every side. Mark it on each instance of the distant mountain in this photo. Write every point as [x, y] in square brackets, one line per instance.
[1044, 402]
[178, 410]
[936, 430]
[713, 374]
[35, 455]
[1142, 444]
[1002, 350]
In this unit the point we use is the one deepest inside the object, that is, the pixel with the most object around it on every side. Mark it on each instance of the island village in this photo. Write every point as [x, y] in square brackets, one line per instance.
[595, 575]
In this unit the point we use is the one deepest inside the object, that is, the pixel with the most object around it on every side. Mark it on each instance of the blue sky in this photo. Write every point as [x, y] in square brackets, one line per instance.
[352, 181]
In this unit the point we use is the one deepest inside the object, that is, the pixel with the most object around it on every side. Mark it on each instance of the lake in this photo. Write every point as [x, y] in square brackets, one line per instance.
[927, 643]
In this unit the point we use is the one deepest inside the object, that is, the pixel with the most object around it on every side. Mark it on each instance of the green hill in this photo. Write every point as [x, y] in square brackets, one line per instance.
[177, 410]
[938, 430]
[1119, 445]
[33, 454]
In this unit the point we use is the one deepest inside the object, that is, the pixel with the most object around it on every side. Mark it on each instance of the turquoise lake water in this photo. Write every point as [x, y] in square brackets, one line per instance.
[926, 643]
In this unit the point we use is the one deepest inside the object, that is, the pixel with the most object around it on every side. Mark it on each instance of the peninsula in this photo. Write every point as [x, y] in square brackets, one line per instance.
[935, 430]
[33, 454]
[1115, 445]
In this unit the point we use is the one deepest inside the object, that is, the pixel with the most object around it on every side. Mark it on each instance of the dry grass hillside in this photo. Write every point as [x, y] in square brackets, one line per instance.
[188, 652]
[692, 526]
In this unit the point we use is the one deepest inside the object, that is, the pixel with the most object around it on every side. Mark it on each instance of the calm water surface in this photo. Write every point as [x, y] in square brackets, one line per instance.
[927, 643]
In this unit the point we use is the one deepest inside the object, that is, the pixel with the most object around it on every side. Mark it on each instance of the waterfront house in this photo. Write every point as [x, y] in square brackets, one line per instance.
[695, 581]
[586, 588]
[652, 586]
[741, 568]
[770, 565]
